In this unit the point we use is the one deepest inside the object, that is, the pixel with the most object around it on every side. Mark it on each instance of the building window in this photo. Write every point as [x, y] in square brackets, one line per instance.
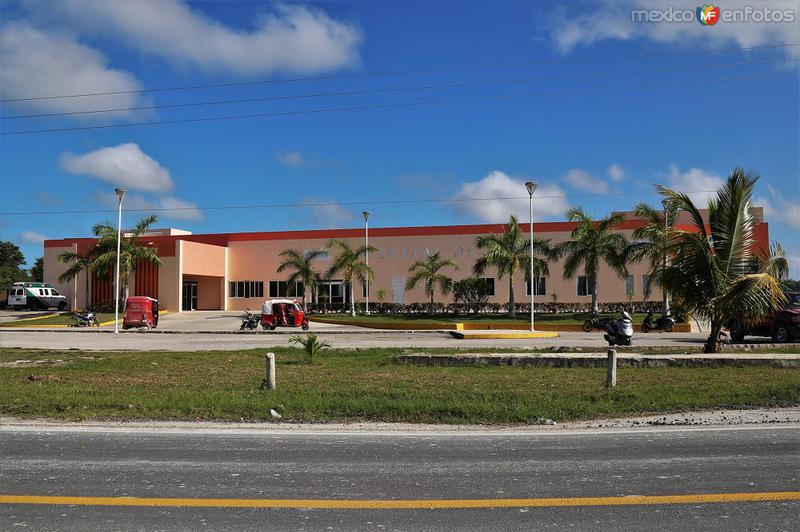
[246, 289]
[629, 288]
[364, 290]
[540, 283]
[285, 289]
[489, 283]
[646, 285]
[585, 288]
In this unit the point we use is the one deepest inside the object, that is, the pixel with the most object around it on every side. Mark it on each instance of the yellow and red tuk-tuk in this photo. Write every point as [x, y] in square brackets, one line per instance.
[282, 313]
[140, 311]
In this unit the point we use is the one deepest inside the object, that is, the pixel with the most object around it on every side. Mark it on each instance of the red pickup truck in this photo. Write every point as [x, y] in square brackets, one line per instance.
[782, 326]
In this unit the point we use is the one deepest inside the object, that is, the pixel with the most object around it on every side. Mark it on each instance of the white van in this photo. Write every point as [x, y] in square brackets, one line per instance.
[35, 296]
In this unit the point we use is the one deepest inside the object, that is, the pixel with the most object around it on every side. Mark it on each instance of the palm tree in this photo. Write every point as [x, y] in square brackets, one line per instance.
[429, 272]
[350, 264]
[715, 269]
[593, 242]
[509, 252]
[303, 268]
[650, 241]
[80, 263]
[131, 251]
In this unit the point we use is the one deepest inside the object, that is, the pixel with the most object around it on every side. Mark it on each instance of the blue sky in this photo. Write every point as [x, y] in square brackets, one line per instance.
[599, 135]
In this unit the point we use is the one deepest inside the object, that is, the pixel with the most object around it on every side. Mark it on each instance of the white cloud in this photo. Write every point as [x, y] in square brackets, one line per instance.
[700, 185]
[180, 209]
[286, 38]
[584, 181]
[794, 266]
[328, 214]
[125, 165]
[616, 173]
[291, 158]
[780, 209]
[164, 206]
[549, 200]
[32, 237]
[48, 199]
[612, 20]
[35, 63]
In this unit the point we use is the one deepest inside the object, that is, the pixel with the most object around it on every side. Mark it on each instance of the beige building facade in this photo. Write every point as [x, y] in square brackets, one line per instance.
[234, 271]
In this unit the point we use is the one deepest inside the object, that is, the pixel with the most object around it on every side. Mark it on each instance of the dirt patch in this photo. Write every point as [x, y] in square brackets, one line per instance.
[25, 363]
[45, 378]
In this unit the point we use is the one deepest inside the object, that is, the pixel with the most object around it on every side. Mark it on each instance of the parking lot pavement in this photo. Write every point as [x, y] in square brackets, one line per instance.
[11, 315]
[217, 321]
[94, 340]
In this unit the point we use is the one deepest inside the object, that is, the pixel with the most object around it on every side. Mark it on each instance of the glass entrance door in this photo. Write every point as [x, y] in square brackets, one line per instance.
[189, 295]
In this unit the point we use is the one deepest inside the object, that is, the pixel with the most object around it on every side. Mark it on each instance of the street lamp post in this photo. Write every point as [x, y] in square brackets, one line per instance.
[531, 186]
[120, 194]
[366, 244]
[665, 204]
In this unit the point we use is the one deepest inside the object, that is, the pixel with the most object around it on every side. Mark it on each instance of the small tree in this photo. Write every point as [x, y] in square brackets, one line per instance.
[37, 270]
[311, 344]
[303, 268]
[429, 272]
[11, 260]
[510, 252]
[650, 242]
[716, 270]
[472, 292]
[593, 242]
[80, 263]
[350, 263]
[131, 251]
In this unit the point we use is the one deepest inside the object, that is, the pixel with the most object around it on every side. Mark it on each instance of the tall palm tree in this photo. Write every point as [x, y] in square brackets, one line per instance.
[650, 241]
[715, 268]
[429, 272]
[349, 262]
[509, 252]
[131, 251]
[301, 264]
[593, 242]
[80, 263]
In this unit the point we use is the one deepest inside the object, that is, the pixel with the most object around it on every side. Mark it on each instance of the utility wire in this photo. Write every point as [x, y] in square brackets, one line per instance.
[364, 202]
[407, 88]
[395, 105]
[411, 71]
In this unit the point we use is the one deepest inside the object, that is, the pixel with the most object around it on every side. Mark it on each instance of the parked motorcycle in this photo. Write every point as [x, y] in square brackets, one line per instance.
[249, 321]
[594, 321]
[665, 322]
[620, 332]
[85, 319]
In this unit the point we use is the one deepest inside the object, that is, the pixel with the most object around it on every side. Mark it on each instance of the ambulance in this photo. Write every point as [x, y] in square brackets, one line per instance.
[35, 296]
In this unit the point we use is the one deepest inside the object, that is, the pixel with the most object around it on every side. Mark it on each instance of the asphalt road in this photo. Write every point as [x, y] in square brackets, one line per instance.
[103, 341]
[359, 467]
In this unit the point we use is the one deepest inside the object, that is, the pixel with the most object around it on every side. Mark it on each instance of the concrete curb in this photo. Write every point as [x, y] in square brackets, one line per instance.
[264, 333]
[599, 360]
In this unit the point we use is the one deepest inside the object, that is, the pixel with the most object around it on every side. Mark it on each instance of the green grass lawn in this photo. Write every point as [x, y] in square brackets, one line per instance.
[362, 385]
[565, 318]
[61, 318]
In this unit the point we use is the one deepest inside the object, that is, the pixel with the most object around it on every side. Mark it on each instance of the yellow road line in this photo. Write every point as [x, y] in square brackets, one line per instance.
[405, 504]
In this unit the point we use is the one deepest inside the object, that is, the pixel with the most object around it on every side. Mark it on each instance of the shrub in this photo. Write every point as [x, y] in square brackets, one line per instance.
[310, 344]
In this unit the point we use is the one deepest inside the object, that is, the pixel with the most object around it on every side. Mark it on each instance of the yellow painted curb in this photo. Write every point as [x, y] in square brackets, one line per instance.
[501, 335]
[422, 504]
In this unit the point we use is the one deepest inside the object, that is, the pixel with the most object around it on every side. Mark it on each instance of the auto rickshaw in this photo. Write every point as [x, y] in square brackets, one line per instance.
[282, 313]
[140, 311]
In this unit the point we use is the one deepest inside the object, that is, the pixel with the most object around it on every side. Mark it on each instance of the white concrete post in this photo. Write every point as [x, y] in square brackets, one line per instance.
[269, 372]
[611, 376]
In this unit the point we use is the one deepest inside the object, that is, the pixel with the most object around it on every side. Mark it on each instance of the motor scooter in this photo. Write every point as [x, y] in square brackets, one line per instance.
[85, 319]
[665, 322]
[249, 321]
[594, 321]
[621, 331]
